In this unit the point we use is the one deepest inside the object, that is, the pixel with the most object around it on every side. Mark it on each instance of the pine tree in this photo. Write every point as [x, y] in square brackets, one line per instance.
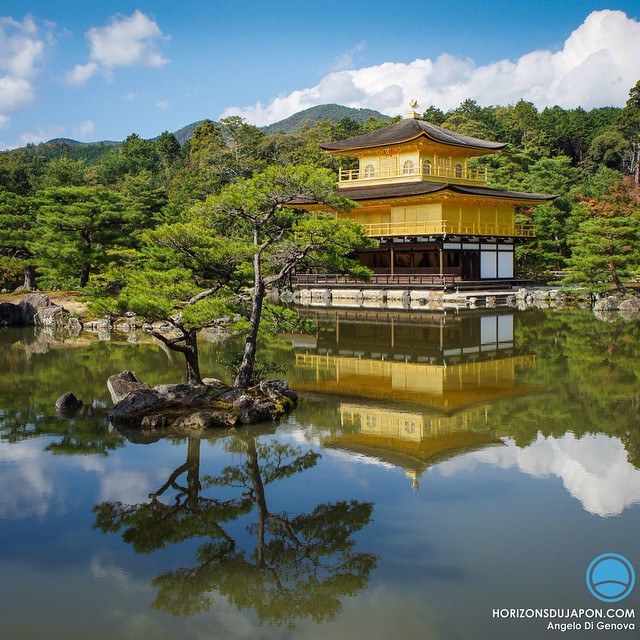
[606, 244]
[17, 216]
[75, 229]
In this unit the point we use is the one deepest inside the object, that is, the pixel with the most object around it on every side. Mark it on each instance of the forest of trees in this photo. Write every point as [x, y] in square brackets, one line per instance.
[66, 219]
[188, 221]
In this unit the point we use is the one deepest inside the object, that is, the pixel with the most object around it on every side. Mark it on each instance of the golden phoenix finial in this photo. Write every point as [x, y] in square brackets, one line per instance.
[413, 105]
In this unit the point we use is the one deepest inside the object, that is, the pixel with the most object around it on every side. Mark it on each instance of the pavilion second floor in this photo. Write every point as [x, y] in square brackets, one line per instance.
[441, 219]
[419, 209]
[376, 170]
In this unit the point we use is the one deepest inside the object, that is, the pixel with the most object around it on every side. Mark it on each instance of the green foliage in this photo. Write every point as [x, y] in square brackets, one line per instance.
[156, 294]
[606, 244]
[142, 193]
[177, 263]
[16, 173]
[133, 156]
[168, 147]
[608, 149]
[434, 115]
[520, 124]
[62, 172]
[605, 249]
[471, 119]
[17, 217]
[256, 211]
[181, 276]
[75, 228]
[628, 121]
[218, 155]
[600, 183]
[302, 147]
[549, 250]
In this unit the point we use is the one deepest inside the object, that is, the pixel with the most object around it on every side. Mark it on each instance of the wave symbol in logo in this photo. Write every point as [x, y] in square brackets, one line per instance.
[610, 577]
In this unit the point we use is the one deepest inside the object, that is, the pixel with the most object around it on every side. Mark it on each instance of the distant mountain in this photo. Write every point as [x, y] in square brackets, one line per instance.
[184, 133]
[93, 152]
[331, 112]
[90, 152]
[308, 117]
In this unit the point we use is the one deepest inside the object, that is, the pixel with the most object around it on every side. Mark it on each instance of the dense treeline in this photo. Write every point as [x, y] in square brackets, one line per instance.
[68, 219]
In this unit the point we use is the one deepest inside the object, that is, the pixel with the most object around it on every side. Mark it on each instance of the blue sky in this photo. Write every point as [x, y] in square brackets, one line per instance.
[95, 71]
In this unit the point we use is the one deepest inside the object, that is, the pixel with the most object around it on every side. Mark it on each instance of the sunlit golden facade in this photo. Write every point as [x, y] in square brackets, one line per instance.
[419, 193]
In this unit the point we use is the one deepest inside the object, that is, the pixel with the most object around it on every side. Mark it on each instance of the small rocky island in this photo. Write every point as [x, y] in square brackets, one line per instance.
[195, 408]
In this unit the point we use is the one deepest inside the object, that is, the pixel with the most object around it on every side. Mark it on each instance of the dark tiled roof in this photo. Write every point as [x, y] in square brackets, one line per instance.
[409, 189]
[408, 129]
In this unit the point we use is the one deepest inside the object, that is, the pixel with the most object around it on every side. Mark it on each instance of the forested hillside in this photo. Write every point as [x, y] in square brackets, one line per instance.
[67, 219]
[322, 113]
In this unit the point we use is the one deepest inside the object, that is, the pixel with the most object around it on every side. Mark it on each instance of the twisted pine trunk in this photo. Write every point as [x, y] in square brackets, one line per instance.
[245, 372]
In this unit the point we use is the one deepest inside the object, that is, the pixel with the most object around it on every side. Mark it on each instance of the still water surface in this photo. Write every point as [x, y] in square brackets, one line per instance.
[438, 467]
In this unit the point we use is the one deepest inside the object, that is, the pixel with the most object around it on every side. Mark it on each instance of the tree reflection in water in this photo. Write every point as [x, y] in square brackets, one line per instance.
[289, 567]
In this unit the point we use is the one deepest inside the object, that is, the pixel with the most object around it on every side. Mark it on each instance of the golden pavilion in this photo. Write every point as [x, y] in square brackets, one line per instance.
[431, 211]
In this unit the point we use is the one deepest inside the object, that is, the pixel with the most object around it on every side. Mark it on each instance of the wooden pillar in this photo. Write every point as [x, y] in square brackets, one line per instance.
[441, 250]
[391, 258]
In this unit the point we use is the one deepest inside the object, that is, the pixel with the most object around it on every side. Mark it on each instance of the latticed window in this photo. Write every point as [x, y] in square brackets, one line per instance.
[426, 167]
[407, 168]
[369, 171]
[458, 170]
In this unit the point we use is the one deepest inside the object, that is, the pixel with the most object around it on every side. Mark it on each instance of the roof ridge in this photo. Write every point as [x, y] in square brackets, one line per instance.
[406, 130]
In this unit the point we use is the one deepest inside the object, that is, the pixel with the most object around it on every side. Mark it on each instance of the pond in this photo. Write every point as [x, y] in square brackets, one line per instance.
[439, 471]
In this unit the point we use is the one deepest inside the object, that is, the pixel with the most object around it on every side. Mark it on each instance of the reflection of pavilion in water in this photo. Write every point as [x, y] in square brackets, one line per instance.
[446, 370]
[439, 361]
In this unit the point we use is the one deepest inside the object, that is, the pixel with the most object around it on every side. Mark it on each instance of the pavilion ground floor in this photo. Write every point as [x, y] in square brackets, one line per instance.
[468, 259]
[433, 262]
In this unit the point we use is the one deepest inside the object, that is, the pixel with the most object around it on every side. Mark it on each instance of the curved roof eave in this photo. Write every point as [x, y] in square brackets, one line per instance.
[408, 130]
[424, 188]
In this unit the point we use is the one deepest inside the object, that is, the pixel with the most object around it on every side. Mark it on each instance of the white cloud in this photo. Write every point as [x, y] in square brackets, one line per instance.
[163, 104]
[26, 486]
[127, 41]
[593, 469]
[84, 130]
[130, 487]
[23, 47]
[345, 59]
[103, 568]
[596, 66]
[15, 93]
[82, 72]
[42, 135]
[81, 131]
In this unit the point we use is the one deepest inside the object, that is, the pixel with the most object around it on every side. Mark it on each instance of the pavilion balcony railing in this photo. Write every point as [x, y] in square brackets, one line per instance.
[430, 172]
[441, 228]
